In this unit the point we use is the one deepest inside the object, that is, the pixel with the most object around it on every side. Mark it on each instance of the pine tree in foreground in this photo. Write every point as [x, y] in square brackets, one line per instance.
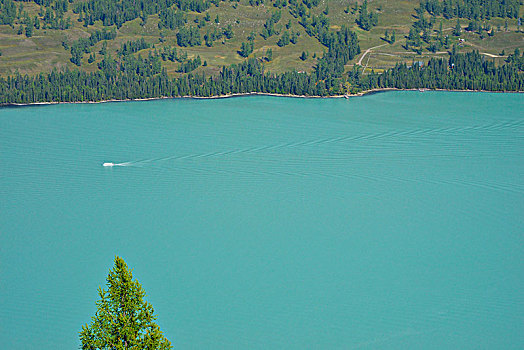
[123, 319]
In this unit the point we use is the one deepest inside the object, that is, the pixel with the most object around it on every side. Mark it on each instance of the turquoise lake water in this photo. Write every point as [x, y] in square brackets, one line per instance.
[389, 221]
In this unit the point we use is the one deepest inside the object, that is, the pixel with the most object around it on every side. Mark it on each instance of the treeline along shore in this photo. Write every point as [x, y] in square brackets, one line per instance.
[461, 71]
[140, 69]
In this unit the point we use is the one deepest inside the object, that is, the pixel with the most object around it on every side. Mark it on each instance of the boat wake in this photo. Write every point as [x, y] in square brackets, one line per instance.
[109, 164]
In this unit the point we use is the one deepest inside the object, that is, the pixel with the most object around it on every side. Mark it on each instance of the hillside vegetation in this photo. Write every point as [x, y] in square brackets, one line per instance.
[332, 39]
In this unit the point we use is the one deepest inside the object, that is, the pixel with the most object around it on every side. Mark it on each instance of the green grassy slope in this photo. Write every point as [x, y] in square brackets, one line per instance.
[44, 50]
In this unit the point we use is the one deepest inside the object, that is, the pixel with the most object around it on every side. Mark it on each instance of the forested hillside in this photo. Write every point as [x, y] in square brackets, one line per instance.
[92, 50]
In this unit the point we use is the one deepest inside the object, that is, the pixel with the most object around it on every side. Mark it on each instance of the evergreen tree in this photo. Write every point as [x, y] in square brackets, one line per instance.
[228, 32]
[355, 7]
[190, 65]
[304, 56]
[269, 55]
[413, 38]
[246, 48]
[7, 12]
[458, 28]
[269, 26]
[171, 18]
[123, 319]
[188, 37]
[366, 20]
[103, 50]
[294, 37]
[284, 39]
[425, 36]
[29, 28]
[210, 37]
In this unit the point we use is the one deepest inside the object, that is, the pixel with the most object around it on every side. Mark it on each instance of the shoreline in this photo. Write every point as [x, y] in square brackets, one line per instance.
[243, 94]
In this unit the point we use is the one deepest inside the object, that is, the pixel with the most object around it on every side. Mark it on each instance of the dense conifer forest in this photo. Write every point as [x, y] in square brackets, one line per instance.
[137, 68]
[143, 78]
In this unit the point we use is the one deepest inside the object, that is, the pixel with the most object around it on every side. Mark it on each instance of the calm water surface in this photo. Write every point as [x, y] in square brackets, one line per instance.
[389, 221]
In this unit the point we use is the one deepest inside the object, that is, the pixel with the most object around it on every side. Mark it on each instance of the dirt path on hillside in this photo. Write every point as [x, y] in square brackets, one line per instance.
[368, 51]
